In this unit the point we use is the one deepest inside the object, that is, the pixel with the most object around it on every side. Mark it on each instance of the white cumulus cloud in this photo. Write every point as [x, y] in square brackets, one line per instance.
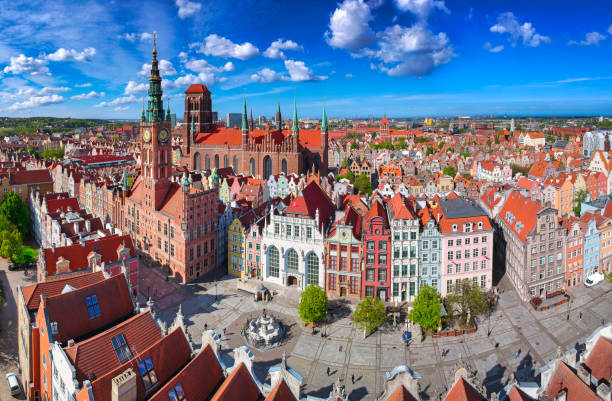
[187, 8]
[120, 108]
[30, 65]
[133, 88]
[525, 32]
[421, 8]
[266, 75]
[349, 26]
[298, 72]
[29, 92]
[165, 68]
[132, 37]
[62, 54]
[118, 101]
[493, 49]
[591, 38]
[276, 48]
[215, 45]
[36, 101]
[90, 95]
[85, 85]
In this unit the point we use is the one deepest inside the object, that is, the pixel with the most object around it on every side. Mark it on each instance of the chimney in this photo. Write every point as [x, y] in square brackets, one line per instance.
[70, 343]
[76, 227]
[584, 375]
[88, 225]
[124, 386]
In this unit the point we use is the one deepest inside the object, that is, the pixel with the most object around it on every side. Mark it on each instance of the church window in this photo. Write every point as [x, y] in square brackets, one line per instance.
[225, 161]
[235, 164]
[312, 269]
[207, 163]
[292, 260]
[284, 166]
[273, 260]
[252, 166]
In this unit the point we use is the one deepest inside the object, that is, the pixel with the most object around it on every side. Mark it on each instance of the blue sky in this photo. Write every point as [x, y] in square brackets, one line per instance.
[406, 58]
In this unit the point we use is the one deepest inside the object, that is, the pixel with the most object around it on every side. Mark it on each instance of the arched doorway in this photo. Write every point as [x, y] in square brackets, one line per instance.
[273, 258]
[207, 163]
[252, 166]
[267, 167]
[312, 269]
[197, 162]
[284, 166]
[225, 161]
[291, 281]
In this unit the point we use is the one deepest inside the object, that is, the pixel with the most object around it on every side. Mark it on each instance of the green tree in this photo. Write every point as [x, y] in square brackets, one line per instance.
[313, 304]
[53, 153]
[426, 309]
[430, 151]
[465, 154]
[11, 244]
[489, 143]
[363, 185]
[579, 199]
[466, 301]
[369, 314]
[566, 137]
[344, 163]
[420, 139]
[16, 211]
[517, 168]
[349, 176]
[354, 145]
[497, 139]
[450, 171]
[440, 145]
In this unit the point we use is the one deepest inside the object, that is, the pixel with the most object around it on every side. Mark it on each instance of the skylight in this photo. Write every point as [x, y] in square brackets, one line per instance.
[121, 348]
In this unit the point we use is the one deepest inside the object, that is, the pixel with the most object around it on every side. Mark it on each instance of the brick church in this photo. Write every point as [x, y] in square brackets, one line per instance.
[256, 152]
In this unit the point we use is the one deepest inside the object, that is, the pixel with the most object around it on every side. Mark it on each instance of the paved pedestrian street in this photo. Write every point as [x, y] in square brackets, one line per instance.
[515, 328]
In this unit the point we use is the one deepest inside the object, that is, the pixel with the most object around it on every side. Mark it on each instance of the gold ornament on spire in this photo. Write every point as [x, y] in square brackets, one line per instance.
[155, 43]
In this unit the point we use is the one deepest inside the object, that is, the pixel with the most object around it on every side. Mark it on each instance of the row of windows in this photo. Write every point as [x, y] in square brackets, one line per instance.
[332, 282]
[412, 288]
[404, 235]
[295, 232]
[551, 259]
[333, 263]
[404, 253]
[466, 267]
[542, 273]
[466, 253]
[404, 271]
[382, 259]
[312, 265]
[450, 285]
[460, 242]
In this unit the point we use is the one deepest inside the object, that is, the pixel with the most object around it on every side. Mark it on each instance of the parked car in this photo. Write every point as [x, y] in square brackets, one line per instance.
[15, 266]
[13, 383]
[593, 279]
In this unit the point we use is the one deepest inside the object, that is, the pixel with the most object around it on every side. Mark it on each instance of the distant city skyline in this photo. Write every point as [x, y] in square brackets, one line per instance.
[405, 58]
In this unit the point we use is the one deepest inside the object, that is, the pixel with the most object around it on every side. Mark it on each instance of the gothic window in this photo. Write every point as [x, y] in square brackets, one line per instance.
[225, 161]
[273, 257]
[216, 161]
[267, 167]
[292, 260]
[207, 163]
[252, 166]
[312, 269]
[235, 164]
[284, 166]
[197, 161]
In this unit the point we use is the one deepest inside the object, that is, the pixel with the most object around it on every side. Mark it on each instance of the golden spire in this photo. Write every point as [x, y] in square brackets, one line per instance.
[155, 43]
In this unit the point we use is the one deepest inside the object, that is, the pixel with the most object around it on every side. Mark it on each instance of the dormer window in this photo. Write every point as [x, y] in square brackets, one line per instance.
[149, 378]
[454, 228]
[177, 393]
[480, 225]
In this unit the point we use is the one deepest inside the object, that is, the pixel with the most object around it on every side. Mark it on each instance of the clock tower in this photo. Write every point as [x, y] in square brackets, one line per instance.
[156, 148]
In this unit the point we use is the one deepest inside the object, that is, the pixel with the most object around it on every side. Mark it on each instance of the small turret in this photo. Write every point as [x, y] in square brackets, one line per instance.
[279, 119]
[295, 128]
[245, 127]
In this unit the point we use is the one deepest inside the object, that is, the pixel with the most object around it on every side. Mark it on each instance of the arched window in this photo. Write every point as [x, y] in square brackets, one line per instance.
[252, 166]
[292, 260]
[225, 161]
[235, 165]
[216, 161]
[197, 162]
[312, 269]
[273, 261]
[284, 166]
[267, 167]
[207, 163]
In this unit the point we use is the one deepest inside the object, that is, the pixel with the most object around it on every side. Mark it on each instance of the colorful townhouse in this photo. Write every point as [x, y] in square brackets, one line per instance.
[575, 249]
[405, 244]
[430, 248]
[236, 236]
[467, 245]
[592, 244]
[343, 262]
[605, 244]
[253, 248]
[376, 240]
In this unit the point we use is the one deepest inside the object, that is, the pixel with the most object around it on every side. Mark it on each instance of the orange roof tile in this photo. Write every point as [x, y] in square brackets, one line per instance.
[401, 393]
[280, 392]
[463, 391]
[566, 379]
[32, 293]
[524, 211]
[197, 88]
[239, 385]
[600, 360]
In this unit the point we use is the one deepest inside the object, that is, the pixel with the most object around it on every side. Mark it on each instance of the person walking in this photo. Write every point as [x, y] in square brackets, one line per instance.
[580, 314]
[353, 378]
[518, 352]
[328, 371]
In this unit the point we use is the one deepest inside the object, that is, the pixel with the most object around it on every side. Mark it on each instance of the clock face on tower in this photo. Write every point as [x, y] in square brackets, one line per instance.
[164, 135]
[146, 135]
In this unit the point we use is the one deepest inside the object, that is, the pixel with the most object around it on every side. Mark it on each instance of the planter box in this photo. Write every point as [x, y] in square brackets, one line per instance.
[544, 308]
[436, 335]
[459, 332]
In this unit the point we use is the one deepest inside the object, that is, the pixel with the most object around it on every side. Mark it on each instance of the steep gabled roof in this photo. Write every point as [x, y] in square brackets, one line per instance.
[463, 391]
[280, 392]
[519, 209]
[32, 293]
[566, 379]
[401, 393]
[600, 360]
[239, 385]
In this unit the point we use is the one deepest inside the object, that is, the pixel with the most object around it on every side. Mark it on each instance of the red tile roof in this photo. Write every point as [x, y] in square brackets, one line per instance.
[377, 210]
[401, 393]
[280, 392]
[239, 385]
[463, 391]
[566, 379]
[70, 312]
[600, 360]
[196, 385]
[398, 209]
[31, 177]
[197, 88]
[32, 293]
[78, 253]
[97, 356]
[524, 211]
[313, 198]
[516, 394]
[233, 137]
[62, 205]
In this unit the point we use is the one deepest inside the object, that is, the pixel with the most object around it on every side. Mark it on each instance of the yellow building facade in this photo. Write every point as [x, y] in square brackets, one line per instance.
[236, 249]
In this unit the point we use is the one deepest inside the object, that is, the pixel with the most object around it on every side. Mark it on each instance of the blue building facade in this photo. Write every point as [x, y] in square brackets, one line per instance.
[591, 249]
[430, 252]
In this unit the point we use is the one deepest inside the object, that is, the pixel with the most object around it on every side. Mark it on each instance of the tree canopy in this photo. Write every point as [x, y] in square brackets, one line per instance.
[466, 301]
[53, 153]
[11, 244]
[313, 304]
[426, 309]
[16, 211]
[450, 171]
[369, 314]
[362, 184]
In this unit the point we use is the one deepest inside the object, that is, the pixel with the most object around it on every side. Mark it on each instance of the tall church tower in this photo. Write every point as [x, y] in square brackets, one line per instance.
[156, 150]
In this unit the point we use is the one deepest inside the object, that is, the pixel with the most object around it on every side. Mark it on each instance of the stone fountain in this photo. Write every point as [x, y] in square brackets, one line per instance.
[264, 332]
